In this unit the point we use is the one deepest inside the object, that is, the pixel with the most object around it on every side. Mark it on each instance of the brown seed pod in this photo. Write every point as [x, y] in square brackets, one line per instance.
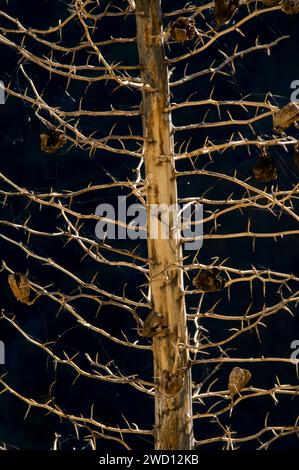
[290, 7]
[52, 141]
[238, 379]
[209, 280]
[265, 169]
[183, 29]
[155, 324]
[20, 287]
[172, 383]
[286, 117]
[296, 155]
[224, 10]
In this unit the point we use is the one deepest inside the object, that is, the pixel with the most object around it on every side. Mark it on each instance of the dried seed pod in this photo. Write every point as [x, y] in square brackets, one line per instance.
[209, 280]
[238, 379]
[20, 287]
[286, 116]
[183, 29]
[172, 383]
[224, 10]
[52, 141]
[296, 155]
[155, 324]
[265, 169]
[290, 7]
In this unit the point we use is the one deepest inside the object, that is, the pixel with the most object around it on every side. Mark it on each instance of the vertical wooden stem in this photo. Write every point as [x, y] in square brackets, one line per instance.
[173, 406]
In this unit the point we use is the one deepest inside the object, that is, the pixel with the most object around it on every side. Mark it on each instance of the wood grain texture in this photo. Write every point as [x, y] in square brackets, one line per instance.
[173, 414]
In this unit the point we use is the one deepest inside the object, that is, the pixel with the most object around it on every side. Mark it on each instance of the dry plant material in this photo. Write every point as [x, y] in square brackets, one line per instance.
[265, 169]
[296, 155]
[52, 141]
[155, 324]
[209, 280]
[224, 10]
[183, 29]
[271, 2]
[290, 7]
[286, 117]
[20, 287]
[172, 382]
[238, 379]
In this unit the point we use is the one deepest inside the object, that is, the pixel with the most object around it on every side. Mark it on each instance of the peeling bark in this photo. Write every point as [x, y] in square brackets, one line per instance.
[173, 404]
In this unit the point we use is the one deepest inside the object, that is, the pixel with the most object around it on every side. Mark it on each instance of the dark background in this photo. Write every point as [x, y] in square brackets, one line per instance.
[28, 369]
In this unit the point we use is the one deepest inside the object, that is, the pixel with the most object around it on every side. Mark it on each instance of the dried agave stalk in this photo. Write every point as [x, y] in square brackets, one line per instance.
[238, 379]
[20, 287]
[174, 347]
